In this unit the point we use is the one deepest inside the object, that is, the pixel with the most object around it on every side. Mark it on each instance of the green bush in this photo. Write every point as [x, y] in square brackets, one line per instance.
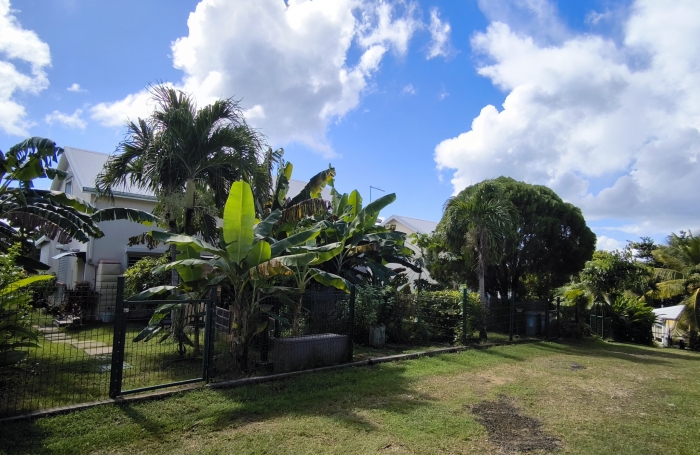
[140, 276]
[632, 320]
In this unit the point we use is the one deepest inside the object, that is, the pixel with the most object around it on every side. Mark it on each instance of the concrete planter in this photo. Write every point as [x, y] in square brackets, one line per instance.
[309, 351]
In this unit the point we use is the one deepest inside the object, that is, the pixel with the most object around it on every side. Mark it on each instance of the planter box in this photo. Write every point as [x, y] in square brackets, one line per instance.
[310, 351]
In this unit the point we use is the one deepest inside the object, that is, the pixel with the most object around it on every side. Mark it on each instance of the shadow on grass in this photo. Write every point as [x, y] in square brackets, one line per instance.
[627, 352]
[340, 396]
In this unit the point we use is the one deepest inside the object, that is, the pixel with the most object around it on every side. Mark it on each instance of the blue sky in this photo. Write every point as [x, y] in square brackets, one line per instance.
[597, 99]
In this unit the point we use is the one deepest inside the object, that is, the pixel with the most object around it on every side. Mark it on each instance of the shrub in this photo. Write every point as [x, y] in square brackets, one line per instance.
[632, 320]
[140, 276]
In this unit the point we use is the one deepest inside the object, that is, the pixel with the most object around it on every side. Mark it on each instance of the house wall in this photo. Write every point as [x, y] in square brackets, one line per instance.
[400, 227]
[113, 246]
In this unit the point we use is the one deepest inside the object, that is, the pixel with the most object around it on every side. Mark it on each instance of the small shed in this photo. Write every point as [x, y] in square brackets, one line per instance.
[666, 319]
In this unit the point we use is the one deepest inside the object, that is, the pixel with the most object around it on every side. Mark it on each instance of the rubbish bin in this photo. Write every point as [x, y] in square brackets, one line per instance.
[531, 323]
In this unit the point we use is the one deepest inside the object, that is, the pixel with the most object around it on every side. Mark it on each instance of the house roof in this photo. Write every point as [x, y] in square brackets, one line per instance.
[415, 224]
[671, 312]
[86, 165]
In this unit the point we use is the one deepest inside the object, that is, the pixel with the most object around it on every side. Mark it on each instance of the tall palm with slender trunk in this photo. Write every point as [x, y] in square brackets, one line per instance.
[479, 217]
[180, 148]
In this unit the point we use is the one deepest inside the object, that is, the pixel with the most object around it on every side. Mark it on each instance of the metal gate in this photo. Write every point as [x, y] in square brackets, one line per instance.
[163, 360]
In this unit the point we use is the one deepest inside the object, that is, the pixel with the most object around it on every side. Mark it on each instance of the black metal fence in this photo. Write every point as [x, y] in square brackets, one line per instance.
[72, 360]
[94, 344]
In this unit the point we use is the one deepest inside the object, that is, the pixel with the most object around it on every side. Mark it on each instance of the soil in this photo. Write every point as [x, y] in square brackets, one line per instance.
[512, 432]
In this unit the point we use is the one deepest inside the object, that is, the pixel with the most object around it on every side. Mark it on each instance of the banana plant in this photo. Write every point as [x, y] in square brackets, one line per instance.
[367, 248]
[245, 261]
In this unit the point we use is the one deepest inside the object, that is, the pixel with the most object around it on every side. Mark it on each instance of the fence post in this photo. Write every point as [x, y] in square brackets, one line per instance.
[209, 328]
[546, 319]
[351, 324]
[118, 341]
[558, 317]
[512, 316]
[465, 328]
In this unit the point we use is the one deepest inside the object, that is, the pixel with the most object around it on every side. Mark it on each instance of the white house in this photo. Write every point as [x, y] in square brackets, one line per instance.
[666, 319]
[410, 226]
[100, 261]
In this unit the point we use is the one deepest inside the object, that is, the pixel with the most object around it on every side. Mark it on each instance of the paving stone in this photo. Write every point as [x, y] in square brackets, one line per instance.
[99, 351]
[56, 336]
[60, 340]
[87, 344]
[46, 329]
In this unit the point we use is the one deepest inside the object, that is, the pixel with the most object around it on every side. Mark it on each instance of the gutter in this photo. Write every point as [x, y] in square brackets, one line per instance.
[140, 197]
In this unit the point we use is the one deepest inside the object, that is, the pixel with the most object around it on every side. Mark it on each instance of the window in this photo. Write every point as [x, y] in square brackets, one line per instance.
[69, 187]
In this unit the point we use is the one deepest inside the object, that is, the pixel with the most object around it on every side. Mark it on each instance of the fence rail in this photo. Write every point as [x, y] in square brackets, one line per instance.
[94, 344]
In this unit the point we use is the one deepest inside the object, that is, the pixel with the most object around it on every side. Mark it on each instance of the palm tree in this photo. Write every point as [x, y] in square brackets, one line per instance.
[180, 149]
[681, 274]
[480, 218]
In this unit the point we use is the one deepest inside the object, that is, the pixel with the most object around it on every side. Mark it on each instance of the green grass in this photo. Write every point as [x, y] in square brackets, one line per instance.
[59, 374]
[627, 400]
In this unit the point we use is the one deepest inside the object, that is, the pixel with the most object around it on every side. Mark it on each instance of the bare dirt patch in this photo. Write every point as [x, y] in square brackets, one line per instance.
[512, 432]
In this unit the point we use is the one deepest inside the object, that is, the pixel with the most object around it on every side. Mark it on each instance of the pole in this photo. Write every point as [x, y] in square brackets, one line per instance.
[558, 317]
[351, 324]
[465, 328]
[209, 329]
[512, 315]
[118, 341]
[546, 319]
[370, 192]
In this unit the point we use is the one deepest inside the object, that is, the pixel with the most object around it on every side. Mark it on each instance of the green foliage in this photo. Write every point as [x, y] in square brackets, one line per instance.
[550, 242]
[26, 212]
[479, 220]
[680, 275]
[610, 275]
[693, 340]
[180, 152]
[15, 330]
[79, 300]
[632, 320]
[141, 275]
[9, 271]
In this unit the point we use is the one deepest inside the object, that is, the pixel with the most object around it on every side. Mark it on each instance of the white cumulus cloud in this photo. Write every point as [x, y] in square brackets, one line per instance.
[440, 36]
[75, 87]
[613, 127]
[18, 45]
[68, 121]
[289, 65]
[409, 90]
[609, 244]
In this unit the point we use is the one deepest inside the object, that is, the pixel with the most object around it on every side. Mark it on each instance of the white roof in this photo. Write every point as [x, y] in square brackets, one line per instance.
[86, 165]
[416, 224]
[671, 312]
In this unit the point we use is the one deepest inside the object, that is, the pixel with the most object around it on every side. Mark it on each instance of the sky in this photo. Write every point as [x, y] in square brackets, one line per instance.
[597, 99]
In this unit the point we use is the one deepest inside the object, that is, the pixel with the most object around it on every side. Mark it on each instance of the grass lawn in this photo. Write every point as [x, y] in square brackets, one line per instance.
[590, 397]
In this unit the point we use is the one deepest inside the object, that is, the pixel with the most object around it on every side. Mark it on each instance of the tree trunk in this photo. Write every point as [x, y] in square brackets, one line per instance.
[482, 283]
